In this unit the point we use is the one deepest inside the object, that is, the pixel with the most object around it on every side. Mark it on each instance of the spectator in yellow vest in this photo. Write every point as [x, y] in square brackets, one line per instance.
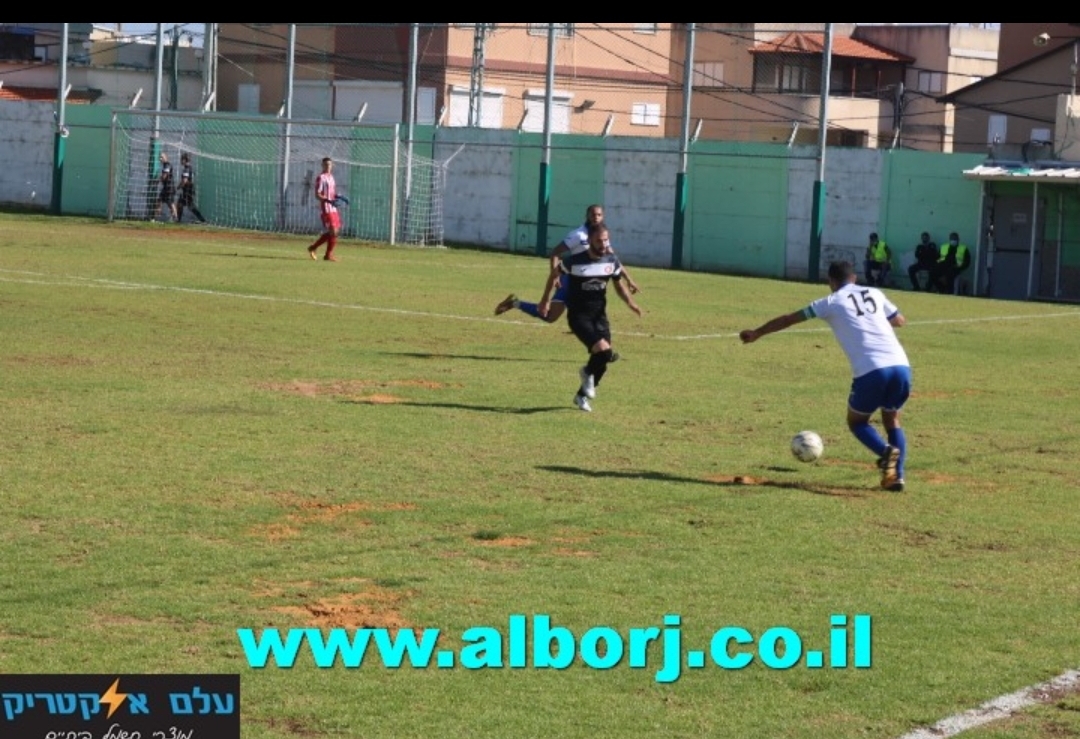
[878, 261]
[952, 261]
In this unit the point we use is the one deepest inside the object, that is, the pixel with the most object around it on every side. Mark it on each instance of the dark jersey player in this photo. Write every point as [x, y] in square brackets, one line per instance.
[587, 276]
[186, 196]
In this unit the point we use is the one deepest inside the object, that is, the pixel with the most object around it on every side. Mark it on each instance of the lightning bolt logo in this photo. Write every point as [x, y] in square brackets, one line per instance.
[113, 698]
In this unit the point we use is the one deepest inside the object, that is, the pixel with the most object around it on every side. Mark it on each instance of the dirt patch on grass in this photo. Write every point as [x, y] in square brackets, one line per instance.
[567, 552]
[504, 541]
[368, 606]
[308, 512]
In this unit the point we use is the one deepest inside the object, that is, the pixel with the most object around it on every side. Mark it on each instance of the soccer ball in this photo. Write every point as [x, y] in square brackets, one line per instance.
[807, 446]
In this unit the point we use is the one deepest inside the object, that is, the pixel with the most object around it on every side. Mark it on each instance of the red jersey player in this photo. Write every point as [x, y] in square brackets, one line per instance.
[325, 193]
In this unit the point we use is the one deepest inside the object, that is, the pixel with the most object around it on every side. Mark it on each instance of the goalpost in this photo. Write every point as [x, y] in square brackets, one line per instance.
[259, 174]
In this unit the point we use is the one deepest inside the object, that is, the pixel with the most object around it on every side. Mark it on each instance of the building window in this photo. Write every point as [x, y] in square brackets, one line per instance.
[997, 129]
[533, 120]
[491, 107]
[930, 82]
[792, 78]
[649, 28]
[645, 114]
[562, 30]
[709, 74]
[247, 98]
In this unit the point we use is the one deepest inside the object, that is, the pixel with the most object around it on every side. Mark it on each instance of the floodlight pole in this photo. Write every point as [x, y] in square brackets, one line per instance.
[678, 230]
[60, 136]
[817, 214]
[545, 158]
[155, 144]
[290, 76]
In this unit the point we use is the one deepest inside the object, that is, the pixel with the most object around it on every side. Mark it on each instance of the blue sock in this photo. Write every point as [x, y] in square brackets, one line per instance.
[869, 437]
[530, 308]
[899, 440]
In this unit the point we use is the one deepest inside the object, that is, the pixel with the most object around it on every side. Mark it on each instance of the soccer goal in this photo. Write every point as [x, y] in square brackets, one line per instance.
[259, 174]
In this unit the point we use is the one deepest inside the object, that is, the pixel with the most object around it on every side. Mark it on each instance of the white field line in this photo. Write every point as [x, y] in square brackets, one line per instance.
[40, 278]
[1001, 707]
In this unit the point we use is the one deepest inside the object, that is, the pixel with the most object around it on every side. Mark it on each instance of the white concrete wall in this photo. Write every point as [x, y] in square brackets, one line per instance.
[27, 132]
[480, 185]
[639, 199]
[852, 207]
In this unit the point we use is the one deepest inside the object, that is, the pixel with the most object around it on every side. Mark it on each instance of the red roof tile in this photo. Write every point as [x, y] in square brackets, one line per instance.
[799, 42]
[45, 94]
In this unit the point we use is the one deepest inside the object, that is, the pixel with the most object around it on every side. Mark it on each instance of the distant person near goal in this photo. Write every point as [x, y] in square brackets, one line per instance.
[327, 197]
[186, 197]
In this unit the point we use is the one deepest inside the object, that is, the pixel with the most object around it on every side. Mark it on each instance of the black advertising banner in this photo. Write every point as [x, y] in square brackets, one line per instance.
[120, 706]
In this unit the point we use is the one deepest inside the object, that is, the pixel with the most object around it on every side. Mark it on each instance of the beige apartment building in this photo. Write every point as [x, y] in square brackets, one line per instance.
[762, 81]
[608, 78]
[751, 81]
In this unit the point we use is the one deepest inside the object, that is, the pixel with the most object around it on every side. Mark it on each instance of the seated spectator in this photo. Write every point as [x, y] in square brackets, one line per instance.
[878, 261]
[926, 256]
[953, 259]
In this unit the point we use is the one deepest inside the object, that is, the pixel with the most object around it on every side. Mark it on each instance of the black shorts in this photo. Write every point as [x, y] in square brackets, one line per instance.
[186, 197]
[166, 195]
[589, 326]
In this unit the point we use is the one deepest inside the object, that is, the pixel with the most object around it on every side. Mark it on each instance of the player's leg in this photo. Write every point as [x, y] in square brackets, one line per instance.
[897, 391]
[867, 395]
[555, 310]
[331, 241]
[323, 237]
[585, 331]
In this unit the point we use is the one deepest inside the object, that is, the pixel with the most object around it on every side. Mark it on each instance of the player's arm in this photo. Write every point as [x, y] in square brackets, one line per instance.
[779, 323]
[624, 293]
[897, 319]
[557, 254]
[630, 284]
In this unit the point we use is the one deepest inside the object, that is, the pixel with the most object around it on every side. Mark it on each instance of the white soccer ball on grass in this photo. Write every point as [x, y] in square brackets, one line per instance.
[807, 446]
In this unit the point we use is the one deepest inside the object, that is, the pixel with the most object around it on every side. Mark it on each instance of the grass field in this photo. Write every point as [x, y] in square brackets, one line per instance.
[204, 431]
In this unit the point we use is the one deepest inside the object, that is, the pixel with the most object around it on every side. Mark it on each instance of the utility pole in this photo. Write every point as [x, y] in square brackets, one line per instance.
[680, 178]
[174, 70]
[476, 75]
[817, 215]
[59, 143]
[544, 194]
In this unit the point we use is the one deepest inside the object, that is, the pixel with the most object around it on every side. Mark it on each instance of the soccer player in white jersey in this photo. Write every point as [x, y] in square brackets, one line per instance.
[862, 319]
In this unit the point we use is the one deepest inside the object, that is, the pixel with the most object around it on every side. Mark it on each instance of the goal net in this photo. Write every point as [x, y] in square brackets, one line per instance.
[259, 174]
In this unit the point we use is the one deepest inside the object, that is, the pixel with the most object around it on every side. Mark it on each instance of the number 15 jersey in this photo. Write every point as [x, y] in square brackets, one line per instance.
[859, 319]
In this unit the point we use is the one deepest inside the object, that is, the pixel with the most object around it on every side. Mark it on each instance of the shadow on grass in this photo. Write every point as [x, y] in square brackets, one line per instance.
[476, 357]
[249, 256]
[513, 410]
[736, 481]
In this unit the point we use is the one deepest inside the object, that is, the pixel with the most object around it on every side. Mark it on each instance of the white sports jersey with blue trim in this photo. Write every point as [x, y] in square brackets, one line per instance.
[859, 318]
[577, 240]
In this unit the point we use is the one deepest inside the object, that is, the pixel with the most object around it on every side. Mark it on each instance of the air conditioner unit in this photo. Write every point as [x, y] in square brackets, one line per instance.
[1067, 128]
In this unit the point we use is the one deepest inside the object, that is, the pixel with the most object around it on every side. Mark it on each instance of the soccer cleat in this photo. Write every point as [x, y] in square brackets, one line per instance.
[311, 250]
[887, 464]
[588, 386]
[582, 402]
[896, 486]
[510, 302]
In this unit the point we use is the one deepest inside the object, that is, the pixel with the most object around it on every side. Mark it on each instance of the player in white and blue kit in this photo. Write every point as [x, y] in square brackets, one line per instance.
[862, 319]
[575, 242]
